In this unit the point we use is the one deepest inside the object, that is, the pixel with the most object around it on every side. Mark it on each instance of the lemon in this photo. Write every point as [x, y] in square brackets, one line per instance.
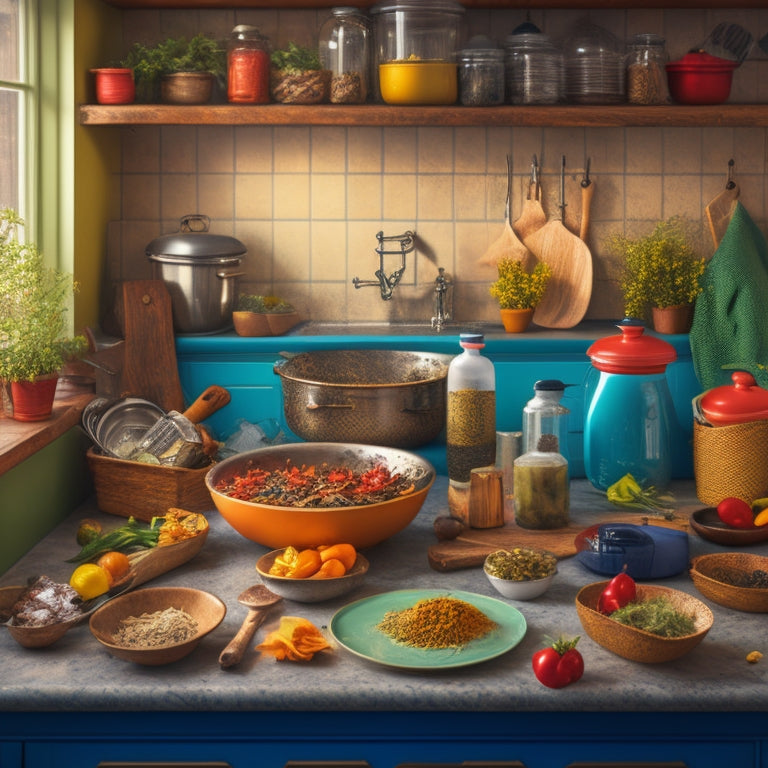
[89, 580]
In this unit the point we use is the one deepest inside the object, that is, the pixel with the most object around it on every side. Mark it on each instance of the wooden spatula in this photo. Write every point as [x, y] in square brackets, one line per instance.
[720, 210]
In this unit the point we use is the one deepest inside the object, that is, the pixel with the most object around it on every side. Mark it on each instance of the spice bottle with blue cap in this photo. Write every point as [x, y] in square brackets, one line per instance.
[470, 425]
[630, 423]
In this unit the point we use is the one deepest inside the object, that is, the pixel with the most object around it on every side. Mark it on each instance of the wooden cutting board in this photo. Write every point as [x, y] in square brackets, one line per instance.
[472, 547]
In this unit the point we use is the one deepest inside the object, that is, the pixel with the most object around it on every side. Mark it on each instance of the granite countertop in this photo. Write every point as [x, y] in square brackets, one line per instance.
[77, 674]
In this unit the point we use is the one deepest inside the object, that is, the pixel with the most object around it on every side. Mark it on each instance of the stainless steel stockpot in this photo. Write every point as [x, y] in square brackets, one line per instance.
[200, 270]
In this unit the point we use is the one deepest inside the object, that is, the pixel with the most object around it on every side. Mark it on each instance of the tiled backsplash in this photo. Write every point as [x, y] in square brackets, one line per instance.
[308, 201]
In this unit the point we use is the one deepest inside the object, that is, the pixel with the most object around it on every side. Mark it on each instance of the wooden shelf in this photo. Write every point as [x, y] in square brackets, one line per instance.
[624, 115]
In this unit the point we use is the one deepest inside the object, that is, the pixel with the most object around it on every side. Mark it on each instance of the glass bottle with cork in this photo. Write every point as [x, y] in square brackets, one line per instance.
[542, 489]
[471, 411]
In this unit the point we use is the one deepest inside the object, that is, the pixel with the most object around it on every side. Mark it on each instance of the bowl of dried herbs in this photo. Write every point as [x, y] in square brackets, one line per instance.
[520, 573]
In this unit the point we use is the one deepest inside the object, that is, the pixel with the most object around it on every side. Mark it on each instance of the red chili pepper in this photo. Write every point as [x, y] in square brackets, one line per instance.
[621, 591]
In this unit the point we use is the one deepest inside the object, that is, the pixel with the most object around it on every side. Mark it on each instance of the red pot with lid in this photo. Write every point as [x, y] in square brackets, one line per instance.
[740, 403]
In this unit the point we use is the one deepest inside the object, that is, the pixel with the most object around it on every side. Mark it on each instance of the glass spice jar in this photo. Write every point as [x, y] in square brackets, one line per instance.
[248, 66]
[481, 77]
[344, 49]
[646, 70]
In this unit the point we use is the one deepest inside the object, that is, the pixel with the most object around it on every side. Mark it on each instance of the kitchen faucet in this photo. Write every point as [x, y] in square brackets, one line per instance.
[443, 300]
[386, 283]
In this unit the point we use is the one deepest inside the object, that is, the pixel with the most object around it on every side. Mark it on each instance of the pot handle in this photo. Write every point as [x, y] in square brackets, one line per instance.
[313, 405]
[226, 275]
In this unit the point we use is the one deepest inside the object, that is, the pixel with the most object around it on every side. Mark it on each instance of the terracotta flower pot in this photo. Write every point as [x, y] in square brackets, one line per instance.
[33, 400]
[677, 319]
[114, 85]
[516, 320]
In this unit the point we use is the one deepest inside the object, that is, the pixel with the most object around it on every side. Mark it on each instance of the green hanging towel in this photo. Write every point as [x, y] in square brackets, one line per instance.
[730, 321]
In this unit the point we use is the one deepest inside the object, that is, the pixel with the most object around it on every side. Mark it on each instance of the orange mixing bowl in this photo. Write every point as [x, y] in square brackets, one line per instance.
[362, 526]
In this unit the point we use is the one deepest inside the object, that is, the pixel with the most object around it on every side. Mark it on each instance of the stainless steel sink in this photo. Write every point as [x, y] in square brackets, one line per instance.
[323, 328]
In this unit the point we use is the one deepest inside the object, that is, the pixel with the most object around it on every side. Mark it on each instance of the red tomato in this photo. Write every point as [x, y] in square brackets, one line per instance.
[736, 513]
[621, 591]
[558, 665]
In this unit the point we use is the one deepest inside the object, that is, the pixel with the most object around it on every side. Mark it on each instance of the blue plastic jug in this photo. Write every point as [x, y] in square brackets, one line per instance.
[630, 424]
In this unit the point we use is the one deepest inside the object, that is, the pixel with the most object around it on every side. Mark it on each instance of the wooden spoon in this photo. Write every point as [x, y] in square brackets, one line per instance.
[257, 599]
[532, 217]
[720, 210]
[508, 244]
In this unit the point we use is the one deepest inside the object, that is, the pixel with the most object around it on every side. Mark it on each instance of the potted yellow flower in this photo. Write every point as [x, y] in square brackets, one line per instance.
[662, 275]
[519, 292]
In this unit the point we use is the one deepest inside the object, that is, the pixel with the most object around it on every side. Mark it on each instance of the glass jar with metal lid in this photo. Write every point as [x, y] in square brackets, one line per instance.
[344, 49]
[481, 77]
[646, 70]
[248, 66]
[534, 69]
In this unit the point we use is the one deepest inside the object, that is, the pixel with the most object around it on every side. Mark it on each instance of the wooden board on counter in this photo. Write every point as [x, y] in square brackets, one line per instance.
[474, 544]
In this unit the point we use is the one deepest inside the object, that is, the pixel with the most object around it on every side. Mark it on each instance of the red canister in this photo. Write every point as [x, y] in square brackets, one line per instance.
[738, 404]
[248, 66]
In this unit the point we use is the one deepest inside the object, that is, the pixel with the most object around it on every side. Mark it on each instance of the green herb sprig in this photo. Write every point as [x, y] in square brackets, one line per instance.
[296, 58]
[657, 616]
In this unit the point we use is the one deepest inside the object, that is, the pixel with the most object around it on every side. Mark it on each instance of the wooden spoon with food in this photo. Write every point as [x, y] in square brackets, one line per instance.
[258, 599]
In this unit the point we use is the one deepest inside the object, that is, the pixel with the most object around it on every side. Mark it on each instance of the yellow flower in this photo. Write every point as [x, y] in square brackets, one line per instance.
[518, 289]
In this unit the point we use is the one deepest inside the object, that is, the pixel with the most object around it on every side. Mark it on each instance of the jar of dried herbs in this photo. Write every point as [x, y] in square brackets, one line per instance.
[470, 425]
[344, 49]
[646, 70]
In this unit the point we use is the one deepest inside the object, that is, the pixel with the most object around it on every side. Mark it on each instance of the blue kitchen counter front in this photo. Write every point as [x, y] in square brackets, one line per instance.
[245, 366]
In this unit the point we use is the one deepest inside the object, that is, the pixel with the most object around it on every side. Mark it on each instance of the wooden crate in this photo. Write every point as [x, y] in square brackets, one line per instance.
[130, 488]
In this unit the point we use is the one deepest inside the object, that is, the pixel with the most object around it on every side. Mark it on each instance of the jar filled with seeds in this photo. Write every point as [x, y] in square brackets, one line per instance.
[471, 411]
[646, 70]
[344, 49]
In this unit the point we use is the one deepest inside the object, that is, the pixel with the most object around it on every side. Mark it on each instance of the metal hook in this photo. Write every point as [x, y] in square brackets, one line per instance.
[562, 190]
[731, 183]
[586, 181]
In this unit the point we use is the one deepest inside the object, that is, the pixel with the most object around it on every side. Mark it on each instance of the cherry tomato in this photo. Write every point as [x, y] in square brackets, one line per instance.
[559, 664]
[736, 513]
[621, 591]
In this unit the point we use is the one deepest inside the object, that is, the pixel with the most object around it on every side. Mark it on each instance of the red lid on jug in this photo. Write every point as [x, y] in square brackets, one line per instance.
[737, 404]
[632, 352]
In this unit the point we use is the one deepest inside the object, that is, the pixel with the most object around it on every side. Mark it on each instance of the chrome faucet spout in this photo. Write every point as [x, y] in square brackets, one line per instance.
[443, 300]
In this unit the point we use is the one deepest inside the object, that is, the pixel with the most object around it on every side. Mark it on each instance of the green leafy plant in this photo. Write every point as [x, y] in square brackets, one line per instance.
[661, 269]
[33, 306]
[295, 59]
[149, 63]
[517, 288]
[273, 305]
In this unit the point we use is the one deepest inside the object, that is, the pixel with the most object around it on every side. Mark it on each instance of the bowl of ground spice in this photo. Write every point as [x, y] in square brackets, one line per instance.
[662, 624]
[733, 579]
[158, 625]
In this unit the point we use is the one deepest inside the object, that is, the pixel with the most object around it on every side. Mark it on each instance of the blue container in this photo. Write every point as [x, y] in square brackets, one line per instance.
[630, 424]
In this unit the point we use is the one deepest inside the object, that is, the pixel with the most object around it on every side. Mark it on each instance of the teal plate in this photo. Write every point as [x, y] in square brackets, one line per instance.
[355, 628]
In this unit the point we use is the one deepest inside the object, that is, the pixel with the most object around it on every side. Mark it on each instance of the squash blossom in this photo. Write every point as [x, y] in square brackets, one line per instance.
[627, 492]
[295, 639]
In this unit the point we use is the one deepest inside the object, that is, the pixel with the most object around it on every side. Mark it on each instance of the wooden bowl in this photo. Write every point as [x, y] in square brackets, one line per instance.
[707, 574]
[708, 525]
[207, 609]
[33, 637]
[637, 644]
[311, 590]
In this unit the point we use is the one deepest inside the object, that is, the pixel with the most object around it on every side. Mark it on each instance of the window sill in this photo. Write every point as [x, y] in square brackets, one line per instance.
[19, 440]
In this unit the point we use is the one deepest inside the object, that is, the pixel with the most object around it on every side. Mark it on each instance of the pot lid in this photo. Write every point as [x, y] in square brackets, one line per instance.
[193, 242]
[742, 402]
[631, 352]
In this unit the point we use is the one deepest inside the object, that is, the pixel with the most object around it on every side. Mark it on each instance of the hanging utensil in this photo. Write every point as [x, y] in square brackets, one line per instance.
[728, 41]
[257, 599]
[532, 217]
[508, 244]
[720, 209]
[570, 287]
[587, 192]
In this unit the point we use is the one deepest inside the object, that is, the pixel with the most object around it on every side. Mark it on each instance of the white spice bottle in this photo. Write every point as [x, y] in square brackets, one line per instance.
[470, 425]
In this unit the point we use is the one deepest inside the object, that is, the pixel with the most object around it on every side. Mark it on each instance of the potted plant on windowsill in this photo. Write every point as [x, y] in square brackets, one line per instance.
[519, 292]
[662, 275]
[33, 343]
[177, 70]
[263, 316]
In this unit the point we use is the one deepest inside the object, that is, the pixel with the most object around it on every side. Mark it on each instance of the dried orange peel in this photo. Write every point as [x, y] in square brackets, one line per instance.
[295, 639]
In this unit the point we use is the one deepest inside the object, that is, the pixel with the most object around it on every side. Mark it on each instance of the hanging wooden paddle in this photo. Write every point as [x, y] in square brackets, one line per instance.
[720, 210]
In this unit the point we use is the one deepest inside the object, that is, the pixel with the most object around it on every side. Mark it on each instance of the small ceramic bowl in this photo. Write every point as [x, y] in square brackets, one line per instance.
[708, 525]
[710, 576]
[521, 590]
[311, 590]
[32, 637]
[207, 609]
[637, 644]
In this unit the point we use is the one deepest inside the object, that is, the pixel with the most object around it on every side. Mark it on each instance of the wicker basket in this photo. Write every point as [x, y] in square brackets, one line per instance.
[130, 488]
[704, 572]
[636, 644]
[731, 461]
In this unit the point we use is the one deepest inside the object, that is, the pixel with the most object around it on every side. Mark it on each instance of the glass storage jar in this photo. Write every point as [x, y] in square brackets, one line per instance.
[481, 77]
[248, 66]
[416, 46]
[534, 70]
[646, 70]
[344, 49]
